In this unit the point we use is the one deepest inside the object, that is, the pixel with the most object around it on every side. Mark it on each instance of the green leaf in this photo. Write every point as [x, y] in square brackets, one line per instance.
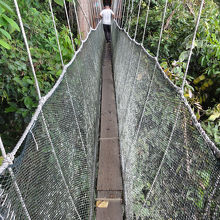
[3, 22]
[214, 116]
[29, 81]
[16, 79]
[28, 102]
[58, 73]
[199, 79]
[5, 44]
[203, 61]
[59, 2]
[11, 22]
[216, 72]
[77, 41]
[1, 160]
[183, 56]
[10, 109]
[4, 32]
[6, 7]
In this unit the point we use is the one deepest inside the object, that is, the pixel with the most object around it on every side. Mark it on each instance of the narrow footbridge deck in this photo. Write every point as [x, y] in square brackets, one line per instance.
[109, 185]
[169, 165]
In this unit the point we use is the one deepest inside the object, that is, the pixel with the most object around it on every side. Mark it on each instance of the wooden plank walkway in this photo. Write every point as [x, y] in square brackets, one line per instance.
[109, 186]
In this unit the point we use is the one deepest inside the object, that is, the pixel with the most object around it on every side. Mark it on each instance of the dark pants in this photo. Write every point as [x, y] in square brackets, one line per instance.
[107, 30]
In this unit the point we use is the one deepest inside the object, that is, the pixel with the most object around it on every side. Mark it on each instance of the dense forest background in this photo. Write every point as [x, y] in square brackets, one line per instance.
[202, 88]
[17, 91]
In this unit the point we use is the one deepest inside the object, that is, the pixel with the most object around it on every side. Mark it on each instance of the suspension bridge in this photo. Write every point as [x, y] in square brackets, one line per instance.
[113, 139]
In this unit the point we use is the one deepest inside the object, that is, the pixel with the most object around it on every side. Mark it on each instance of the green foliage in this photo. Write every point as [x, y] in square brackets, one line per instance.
[202, 88]
[212, 124]
[1, 160]
[17, 88]
[204, 183]
[7, 25]
[59, 2]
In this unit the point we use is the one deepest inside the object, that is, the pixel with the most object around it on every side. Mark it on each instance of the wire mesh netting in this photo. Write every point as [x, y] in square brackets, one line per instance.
[53, 178]
[168, 167]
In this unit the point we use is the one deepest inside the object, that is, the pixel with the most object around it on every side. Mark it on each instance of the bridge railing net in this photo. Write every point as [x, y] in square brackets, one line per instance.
[165, 176]
[55, 171]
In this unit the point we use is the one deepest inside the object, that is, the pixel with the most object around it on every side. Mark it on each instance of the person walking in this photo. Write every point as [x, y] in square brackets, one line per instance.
[107, 14]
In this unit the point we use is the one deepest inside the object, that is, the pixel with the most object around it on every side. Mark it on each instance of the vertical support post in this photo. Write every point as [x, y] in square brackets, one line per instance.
[83, 20]
[123, 13]
[126, 20]
[90, 13]
[96, 4]
[94, 13]
[120, 12]
[139, 9]
[77, 20]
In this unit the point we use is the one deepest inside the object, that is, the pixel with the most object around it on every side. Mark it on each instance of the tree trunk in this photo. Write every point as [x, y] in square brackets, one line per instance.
[83, 10]
[71, 15]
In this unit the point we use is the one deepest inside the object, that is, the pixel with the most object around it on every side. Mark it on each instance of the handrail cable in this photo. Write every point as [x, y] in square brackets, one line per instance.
[131, 13]
[126, 20]
[123, 13]
[146, 20]
[139, 9]
[177, 114]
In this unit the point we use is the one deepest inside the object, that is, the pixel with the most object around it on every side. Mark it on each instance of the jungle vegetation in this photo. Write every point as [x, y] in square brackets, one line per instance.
[17, 91]
[202, 88]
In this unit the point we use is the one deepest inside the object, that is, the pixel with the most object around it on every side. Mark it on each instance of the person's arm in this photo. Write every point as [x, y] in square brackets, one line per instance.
[113, 15]
[101, 14]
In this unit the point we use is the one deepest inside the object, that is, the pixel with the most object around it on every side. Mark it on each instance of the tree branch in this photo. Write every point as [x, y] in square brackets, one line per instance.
[169, 19]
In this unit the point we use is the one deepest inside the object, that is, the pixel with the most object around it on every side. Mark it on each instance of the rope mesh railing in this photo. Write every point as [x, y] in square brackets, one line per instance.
[54, 176]
[52, 190]
[168, 163]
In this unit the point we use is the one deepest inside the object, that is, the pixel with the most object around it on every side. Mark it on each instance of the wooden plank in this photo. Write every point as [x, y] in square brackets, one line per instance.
[108, 125]
[114, 210]
[109, 174]
[109, 184]
[108, 97]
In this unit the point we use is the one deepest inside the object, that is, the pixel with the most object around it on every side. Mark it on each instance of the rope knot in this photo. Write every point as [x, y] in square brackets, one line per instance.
[9, 159]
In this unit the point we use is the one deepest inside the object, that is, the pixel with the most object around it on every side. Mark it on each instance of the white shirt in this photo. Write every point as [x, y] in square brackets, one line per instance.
[107, 16]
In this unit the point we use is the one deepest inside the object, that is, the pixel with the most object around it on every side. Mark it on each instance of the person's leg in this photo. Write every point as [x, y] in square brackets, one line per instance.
[109, 33]
[105, 28]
